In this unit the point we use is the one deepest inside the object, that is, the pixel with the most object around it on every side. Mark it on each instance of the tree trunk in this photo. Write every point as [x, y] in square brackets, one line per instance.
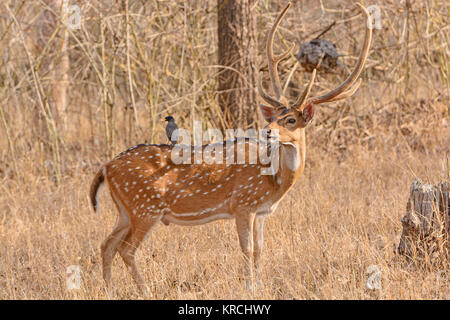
[237, 46]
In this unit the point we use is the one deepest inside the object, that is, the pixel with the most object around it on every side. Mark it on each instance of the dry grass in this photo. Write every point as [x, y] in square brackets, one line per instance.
[342, 217]
[338, 220]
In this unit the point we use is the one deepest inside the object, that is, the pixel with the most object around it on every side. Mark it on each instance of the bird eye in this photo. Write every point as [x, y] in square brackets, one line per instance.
[291, 120]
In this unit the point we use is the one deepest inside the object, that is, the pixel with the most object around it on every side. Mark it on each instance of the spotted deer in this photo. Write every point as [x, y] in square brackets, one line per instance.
[148, 187]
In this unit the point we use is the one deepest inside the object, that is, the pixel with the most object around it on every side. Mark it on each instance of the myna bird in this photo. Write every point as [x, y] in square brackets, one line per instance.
[170, 130]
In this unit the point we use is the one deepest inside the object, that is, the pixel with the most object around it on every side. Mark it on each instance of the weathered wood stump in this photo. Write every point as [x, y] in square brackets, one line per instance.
[310, 53]
[426, 225]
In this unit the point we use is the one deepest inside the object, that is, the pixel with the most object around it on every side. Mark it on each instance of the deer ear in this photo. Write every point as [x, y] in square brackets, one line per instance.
[268, 112]
[308, 113]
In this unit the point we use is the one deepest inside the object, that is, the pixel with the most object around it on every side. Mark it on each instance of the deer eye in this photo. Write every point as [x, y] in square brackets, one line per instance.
[291, 120]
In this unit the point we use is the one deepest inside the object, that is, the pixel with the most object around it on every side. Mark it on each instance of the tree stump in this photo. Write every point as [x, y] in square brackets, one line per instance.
[426, 225]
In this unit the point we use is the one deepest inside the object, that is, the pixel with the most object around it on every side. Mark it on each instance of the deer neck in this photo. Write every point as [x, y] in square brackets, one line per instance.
[291, 163]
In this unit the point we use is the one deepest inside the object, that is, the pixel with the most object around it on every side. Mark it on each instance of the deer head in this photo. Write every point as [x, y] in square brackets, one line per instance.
[290, 119]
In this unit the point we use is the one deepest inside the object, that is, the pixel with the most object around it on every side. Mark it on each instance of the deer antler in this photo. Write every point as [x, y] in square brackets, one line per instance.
[345, 89]
[279, 101]
[302, 98]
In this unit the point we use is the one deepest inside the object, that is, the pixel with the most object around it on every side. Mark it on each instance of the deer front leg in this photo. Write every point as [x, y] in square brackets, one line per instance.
[258, 240]
[244, 224]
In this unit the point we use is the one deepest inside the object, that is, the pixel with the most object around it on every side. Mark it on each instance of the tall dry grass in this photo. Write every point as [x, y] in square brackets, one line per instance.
[342, 217]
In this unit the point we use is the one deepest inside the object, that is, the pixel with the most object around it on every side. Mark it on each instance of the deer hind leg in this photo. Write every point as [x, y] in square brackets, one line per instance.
[110, 244]
[127, 249]
[244, 225]
[258, 240]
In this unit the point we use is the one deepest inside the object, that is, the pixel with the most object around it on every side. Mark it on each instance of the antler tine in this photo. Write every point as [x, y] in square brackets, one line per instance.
[266, 97]
[272, 60]
[347, 93]
[302, 98]
[343, 88]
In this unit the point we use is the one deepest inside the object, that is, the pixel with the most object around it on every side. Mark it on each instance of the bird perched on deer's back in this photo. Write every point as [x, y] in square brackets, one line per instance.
[172, 135]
